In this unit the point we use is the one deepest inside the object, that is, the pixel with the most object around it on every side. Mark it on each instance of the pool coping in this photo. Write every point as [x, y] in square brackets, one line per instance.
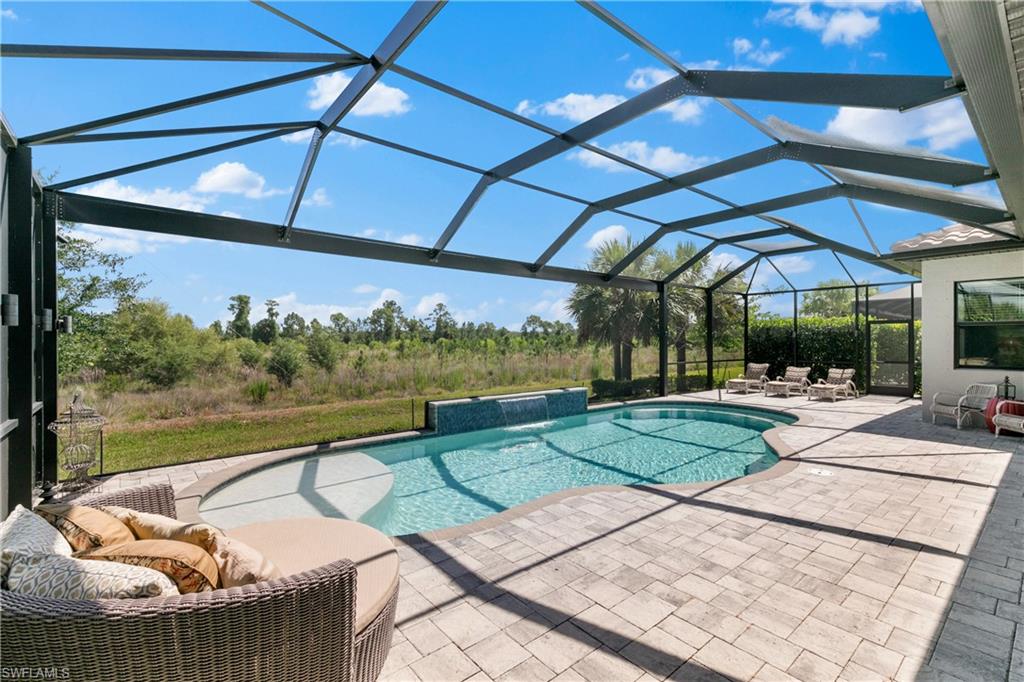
[188, 500]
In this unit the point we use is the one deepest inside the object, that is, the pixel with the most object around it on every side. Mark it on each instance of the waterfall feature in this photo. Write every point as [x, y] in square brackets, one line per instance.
[524, 410]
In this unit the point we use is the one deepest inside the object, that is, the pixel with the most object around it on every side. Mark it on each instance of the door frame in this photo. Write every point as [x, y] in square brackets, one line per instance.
[907, 390]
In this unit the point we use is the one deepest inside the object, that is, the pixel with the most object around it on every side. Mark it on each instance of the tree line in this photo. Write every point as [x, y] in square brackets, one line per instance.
[142, 339]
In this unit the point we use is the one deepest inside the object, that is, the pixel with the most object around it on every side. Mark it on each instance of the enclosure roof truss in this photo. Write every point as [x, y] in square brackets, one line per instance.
[833, 161]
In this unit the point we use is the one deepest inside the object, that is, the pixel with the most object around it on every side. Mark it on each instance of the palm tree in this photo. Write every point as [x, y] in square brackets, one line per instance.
[619, 317]
[685, 305]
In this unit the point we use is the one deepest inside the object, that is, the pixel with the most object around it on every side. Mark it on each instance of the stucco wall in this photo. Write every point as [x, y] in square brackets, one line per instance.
[937, 361]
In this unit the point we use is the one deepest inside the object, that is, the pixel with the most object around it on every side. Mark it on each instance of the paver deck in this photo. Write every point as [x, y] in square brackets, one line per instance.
[894, 550]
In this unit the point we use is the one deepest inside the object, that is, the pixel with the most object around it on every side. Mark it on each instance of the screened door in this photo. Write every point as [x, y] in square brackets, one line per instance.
[891, 370]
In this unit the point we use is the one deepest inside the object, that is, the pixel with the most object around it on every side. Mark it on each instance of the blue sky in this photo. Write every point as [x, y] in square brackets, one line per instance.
[551, 61]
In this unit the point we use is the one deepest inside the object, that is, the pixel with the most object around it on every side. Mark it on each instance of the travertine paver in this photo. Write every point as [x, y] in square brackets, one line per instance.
[894, 550]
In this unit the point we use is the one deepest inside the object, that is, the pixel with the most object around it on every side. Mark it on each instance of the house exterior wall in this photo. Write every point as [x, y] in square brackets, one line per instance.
[938, 372]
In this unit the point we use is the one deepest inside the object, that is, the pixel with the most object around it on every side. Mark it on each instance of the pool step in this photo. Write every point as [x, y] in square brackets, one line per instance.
[346, 485]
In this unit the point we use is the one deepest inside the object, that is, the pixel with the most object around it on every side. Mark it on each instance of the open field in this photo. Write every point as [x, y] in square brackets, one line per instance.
[159, 442]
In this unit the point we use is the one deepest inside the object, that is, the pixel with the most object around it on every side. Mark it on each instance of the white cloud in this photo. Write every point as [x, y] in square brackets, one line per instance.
[723, 260]
[684, 110]
[333, 138]
[161, 196]
[647, 77]
[622, 57]
[232, 177]
[366, 289]
[556, 309]
[741, 46]
[368, 232]
[793, 264]
[878, 55]
[573, 107]
[426, 303]
[944, 125]
[336, 138]
[577, 107]
[230, 214]
[128, 242]
[9, 14]
[764, 55]
[290, 303]
[663, 158]
[318, 198]
[612, 233]
[411, 239]
[849, 28]
[381, 100]
[298, 137]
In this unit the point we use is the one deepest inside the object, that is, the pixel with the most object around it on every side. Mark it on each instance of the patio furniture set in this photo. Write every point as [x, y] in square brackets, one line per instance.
[838, 383]
[329, 616]
[982, 400]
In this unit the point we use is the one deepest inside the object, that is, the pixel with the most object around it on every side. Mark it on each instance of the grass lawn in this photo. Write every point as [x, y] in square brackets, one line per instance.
[174, 441]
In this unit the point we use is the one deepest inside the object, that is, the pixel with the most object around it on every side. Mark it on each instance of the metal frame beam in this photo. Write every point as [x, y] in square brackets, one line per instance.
[152, 53]
[880, 92]
[163, 161]
[787, 201]
[964, 212]
[945, 171]
[21, 360]
[100, 211]
[181, 132]
[178, 104]
[401, 36]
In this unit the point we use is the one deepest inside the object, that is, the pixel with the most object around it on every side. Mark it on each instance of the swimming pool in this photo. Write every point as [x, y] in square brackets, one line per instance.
[441, 481]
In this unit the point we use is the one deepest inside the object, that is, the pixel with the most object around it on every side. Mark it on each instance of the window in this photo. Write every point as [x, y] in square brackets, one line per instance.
[989, 324]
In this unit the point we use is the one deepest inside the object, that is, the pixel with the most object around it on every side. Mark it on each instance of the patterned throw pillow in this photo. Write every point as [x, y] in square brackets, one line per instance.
[189, 566]
[23, 532]
[237, 562]
[63, 577]
[85, 527]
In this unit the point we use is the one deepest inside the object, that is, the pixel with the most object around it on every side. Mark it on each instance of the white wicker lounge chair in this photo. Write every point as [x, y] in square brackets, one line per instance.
[795, 379]
[754, 378]
[839, 382]
[960, 407]
[1008, 420]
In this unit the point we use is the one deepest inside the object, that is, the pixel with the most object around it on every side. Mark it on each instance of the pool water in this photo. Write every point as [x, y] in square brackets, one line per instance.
[442, 481]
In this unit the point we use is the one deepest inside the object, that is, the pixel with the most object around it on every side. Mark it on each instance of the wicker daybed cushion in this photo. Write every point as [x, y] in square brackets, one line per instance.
[297, 545]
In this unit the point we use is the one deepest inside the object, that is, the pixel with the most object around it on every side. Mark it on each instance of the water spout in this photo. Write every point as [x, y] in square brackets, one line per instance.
[524, 410]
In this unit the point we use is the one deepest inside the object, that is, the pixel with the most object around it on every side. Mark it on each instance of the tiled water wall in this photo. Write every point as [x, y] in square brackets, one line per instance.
[472, 414]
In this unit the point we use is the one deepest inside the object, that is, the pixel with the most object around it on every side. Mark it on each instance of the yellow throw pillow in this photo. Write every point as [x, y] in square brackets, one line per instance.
[190, 567]
[237, 562]
[240, 564]
[146, 526]
[85, 527]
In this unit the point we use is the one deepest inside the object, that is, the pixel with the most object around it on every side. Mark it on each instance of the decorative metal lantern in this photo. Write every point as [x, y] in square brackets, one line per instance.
[80, 431]
[1007, 391]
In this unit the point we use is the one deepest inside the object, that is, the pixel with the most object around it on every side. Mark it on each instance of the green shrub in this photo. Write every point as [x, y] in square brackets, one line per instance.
[249, 352]
[322, 350]
[285, 361]
[823, 342]
[258, 391]
[602, 389]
